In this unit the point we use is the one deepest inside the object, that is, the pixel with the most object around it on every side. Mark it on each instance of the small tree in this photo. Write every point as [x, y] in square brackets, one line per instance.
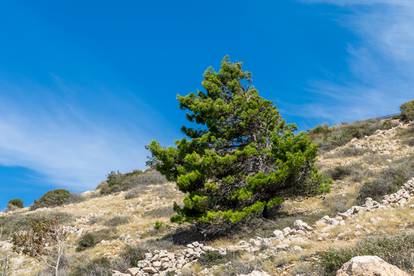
[242, 160]
[15, 204]
[407, 111]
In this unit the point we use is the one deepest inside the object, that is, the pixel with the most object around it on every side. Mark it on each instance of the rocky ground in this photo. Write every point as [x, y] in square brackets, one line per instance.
[288, 247]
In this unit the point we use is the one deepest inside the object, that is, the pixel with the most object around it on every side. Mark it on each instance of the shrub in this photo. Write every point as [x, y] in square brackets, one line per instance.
[131, 255]
[397, 250]
[407, 111]
[389, 180]
[95, 267]
[115, 221]
[211, 258]
[5, 266]
[39, 237]
[244, 158]
[117, 182]
[54, 198]
[15, 222]
[158, 225]
[329, 138]
[16, 203]
[91, 239]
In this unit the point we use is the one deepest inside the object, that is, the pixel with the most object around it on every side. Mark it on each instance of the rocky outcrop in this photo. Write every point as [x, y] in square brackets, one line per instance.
[369, 266]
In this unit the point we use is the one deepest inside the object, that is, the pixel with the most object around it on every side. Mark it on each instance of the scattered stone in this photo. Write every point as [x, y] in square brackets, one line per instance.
[278, 234]
[369, 266]
[301, 225]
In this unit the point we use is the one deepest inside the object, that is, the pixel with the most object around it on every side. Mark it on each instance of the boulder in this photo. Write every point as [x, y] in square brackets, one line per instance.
[301, 225]
[369, 266]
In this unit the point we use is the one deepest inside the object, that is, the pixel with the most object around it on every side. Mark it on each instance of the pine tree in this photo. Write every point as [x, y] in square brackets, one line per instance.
[240, 158]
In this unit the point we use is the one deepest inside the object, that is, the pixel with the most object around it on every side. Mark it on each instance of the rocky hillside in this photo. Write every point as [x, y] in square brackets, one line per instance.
[369, 211]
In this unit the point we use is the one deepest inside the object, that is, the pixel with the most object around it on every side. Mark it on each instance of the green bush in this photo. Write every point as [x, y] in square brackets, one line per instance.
[407, 111]
[243, 160]
[16, 203]
[55, 198]
[91, 239]
[397, 250]
[389, 180]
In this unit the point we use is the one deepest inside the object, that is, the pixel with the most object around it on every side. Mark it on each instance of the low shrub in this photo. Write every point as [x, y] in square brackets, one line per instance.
[117, 182]
[158, 225]
[95, 267]
[397, 250]
[131, 255]
[115, 221]
[407, 111]
[55, 198]
[5, 266]
[354, 171]
[14, 204]
[210, 258]
[329, 138]
[91, 239]
[40, 236]
[389, 180]
[16, 222]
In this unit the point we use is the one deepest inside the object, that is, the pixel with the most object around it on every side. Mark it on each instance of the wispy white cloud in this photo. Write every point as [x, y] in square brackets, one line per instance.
[73, 143]
[381, 62]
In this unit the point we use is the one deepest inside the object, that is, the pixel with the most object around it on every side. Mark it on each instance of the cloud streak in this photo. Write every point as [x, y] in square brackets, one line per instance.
[381, 62]
[72, 143]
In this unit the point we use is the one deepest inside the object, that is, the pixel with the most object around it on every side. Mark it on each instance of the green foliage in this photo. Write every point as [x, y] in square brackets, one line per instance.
[389, 180]
[16, 203]
[397, 250]
[329, 138]
[158, 225]
[54, 198]
[241, 157]
[91, 239]
[407, 111]
[117, 181]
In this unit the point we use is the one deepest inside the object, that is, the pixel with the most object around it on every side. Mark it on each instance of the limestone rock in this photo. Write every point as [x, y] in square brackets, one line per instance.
[369, 266]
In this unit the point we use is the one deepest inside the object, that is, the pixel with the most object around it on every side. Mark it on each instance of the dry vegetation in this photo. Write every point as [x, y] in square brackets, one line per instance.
[108, 230]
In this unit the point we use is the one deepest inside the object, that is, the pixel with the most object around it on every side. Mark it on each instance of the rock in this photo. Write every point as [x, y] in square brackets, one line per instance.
[278, 234]
[301, 225]
[287, 231]
[117, 273]
[369, 266]
[133, 271]
[297, 248]
[282, 246]
[149, 270]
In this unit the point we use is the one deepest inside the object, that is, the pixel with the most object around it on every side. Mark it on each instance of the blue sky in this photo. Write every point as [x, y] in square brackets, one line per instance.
[85, 85]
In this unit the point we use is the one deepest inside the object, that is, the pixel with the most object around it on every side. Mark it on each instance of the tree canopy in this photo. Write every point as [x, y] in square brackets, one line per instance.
[240, 158]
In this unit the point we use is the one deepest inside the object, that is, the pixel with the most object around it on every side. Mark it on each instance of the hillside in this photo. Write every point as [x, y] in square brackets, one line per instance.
[369, 211]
